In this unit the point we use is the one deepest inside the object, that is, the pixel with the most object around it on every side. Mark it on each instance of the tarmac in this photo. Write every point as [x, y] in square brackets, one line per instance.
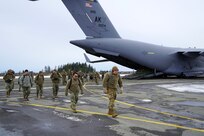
[151, 107]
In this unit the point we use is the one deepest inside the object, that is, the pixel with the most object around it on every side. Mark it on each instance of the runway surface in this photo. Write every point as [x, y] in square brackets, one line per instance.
[154, 107]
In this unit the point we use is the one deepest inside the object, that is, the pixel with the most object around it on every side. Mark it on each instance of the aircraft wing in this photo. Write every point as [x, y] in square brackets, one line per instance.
[192, 54]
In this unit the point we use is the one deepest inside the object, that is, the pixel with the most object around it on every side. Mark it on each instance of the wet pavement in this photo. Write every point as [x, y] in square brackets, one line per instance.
[146, 108]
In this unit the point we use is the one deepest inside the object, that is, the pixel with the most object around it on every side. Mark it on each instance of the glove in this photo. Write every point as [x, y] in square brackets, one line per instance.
[105, 90]
[69, 91]
[121, 90]
[66, 92]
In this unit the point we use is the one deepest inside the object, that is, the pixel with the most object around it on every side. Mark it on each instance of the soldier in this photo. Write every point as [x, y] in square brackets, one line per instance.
[86, 77]
[81, 76]
[27, 83]
[73, 86]
[64, 77]
[96, 77]
[102, 74]
[31, 75]
[55, 77]
[110, 82]
[91, 76]
[19, 81]
[9, 81]
[70, 72]
[39, 81]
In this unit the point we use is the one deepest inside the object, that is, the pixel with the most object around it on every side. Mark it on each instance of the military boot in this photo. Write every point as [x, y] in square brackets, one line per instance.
[73, 108]
[9, 92]
[110, 111]
[114, 114]
[27, 98]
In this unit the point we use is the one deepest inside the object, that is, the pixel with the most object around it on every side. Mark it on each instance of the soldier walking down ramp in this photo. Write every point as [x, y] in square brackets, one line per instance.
[39, 81]
[9, 81]
[55, 77]
[110, 82]
[74, 85]
[27, 83]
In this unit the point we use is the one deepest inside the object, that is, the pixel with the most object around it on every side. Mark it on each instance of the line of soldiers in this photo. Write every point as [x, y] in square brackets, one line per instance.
[25, 82]
[74, 86]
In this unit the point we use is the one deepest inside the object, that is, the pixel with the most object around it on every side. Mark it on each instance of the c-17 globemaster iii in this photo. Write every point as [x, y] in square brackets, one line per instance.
[103, 40]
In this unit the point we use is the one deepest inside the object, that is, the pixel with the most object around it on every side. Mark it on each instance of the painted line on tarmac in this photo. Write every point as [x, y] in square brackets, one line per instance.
[132, 105]
[157, 111]
[121, 117]
[147, 109]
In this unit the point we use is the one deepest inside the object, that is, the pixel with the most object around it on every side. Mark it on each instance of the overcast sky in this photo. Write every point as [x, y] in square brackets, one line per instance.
[37, 34]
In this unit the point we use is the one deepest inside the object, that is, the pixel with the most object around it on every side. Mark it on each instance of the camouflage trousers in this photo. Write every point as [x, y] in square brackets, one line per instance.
[9, 87]
[55, 88]
[96, 81]
[64, 81]
[74, 99]
[112, 94]
[39, 90]
[26, 92]
[20, 87]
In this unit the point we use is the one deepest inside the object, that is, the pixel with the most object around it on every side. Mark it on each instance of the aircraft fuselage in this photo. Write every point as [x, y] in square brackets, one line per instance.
[135, 54]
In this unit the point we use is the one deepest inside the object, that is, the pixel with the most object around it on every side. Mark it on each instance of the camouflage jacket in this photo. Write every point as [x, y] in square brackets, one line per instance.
[111, 81]
[39, 79]
[8, 78]
[26, 81]
[74, 85]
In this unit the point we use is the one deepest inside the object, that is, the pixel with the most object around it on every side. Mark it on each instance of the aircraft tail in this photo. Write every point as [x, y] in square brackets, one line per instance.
[91, 17]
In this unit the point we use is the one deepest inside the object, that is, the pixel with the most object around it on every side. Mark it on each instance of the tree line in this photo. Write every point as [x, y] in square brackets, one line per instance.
[75, 66]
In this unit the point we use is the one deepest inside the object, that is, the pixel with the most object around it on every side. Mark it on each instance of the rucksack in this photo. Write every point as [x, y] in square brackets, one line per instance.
[70, 83]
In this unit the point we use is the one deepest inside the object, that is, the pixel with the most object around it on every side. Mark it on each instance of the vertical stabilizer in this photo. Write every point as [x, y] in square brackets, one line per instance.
[91, 18]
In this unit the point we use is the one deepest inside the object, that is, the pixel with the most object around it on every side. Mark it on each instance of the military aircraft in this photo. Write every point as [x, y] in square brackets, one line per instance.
[103, 40]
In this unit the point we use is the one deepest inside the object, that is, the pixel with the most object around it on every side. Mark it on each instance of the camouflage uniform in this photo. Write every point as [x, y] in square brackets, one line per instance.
[73, 86]
[69, 75]
[102, 75]
[91, 76]
[9, 81]
[27, 83]
[39, 80]
[110, 83]
[96, 77]
[19, 82]
[55, 77]
[81, 77]
[86, 77]
[64, 77]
